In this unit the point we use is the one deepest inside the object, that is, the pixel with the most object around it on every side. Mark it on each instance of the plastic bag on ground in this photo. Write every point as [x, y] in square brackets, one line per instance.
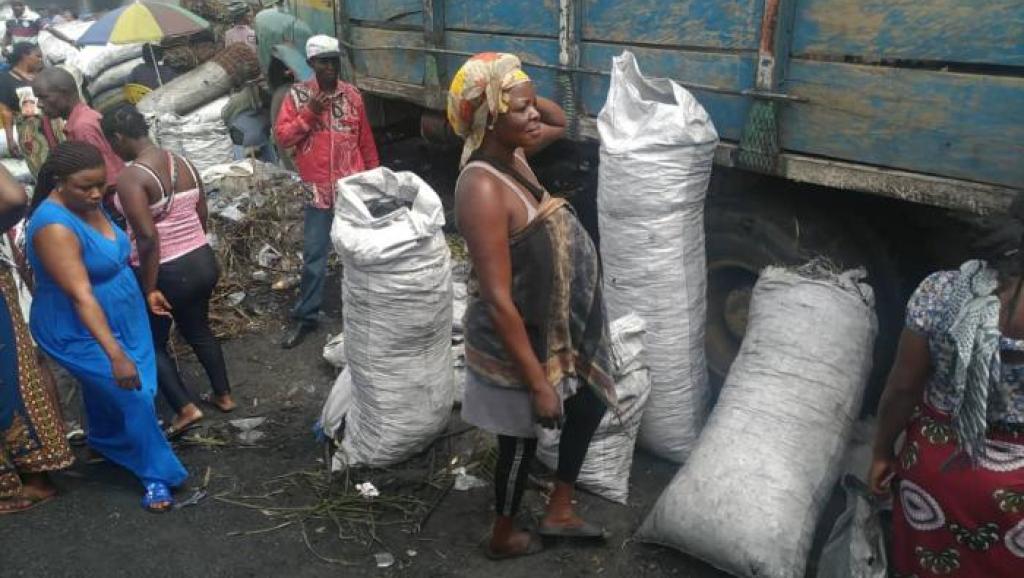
[748, 498]
[856, 545]
[657, 144]
[609, 458]
[334, 350]
[397, 291]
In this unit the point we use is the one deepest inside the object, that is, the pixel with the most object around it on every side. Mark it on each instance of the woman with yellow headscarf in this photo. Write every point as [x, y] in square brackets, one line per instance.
[537, 346]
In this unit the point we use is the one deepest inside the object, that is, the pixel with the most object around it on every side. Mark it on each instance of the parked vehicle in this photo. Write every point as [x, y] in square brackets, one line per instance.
[849, 127]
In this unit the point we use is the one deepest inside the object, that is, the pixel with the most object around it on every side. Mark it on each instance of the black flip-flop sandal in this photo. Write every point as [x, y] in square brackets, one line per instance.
[172, 433]
[587, 531]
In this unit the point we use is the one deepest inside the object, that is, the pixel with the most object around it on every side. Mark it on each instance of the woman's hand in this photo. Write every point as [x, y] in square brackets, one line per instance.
[880, 476]
[547, 406]
[125, 373]
[158, 304]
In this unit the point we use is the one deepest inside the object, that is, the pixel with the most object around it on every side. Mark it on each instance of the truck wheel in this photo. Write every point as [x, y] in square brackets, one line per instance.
[744, 237]
[740, 243]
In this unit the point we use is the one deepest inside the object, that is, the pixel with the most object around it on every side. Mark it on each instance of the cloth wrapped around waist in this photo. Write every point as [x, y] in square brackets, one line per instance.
[557, 288]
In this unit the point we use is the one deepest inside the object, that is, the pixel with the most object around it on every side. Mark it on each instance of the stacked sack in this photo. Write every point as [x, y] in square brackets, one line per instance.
[200, 136]
[397, 390]
[609, 458]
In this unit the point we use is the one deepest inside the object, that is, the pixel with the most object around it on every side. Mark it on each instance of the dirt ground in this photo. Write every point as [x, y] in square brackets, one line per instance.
[268, 509]
[96, 527]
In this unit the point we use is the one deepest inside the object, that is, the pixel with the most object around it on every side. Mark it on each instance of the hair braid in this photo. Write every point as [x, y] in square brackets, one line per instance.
[65, 159]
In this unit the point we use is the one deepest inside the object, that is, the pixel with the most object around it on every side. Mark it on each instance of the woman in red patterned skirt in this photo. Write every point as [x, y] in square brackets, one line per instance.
[32, 438]
[957, 391]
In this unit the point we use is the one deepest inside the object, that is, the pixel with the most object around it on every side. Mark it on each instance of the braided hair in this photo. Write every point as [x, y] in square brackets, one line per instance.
[65, 159]
[126, 121]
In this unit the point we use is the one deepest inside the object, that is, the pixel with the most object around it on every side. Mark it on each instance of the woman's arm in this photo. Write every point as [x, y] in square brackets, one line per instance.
[7, 117]
[553, 124]
[483, 221]
[904, 390]
[13, 200]
[60, 254]
[135, 205]
[201, 208]
[134, 199]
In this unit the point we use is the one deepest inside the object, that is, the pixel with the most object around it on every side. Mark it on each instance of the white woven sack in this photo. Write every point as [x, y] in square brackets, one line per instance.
[657, 144]
[748, 498]
[397, 291]
[609, 458]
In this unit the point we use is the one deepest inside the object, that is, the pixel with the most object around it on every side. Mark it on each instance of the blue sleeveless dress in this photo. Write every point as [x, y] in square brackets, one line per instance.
[123, 424]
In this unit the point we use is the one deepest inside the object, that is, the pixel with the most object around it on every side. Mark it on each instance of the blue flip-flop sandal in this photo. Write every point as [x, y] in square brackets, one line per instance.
[156, 493]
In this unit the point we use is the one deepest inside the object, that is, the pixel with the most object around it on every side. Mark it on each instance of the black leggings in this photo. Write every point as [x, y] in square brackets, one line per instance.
[583, 413]
[188, 282]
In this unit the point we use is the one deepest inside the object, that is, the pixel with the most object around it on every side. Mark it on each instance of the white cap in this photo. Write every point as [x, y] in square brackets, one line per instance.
[322, 46]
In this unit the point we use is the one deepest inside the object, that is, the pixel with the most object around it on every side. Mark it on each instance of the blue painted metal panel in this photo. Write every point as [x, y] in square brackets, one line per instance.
[981, 31]
[400, 65]
[529, 50]
[729, 24]
[959, 125]
[409, 12]
[534, 18]
[730, 71]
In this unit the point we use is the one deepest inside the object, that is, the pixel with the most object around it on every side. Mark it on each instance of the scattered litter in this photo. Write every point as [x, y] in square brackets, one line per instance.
[193, 500]
[465, 482]
[411, 553]
[268, 256]
[368, 490]
[232, 214]
[321, 529]
[235, 299]
[384, 559]
[286, 283]
[260, 276]
[247, 429]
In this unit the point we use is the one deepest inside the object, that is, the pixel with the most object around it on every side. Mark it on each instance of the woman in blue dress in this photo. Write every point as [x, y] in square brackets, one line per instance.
[88, 314]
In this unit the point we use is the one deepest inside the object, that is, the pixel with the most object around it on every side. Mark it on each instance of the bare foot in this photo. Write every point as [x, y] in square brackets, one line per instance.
[517, 543]
[37, 487]
[224, 402]
[188, 416]
[15, 504]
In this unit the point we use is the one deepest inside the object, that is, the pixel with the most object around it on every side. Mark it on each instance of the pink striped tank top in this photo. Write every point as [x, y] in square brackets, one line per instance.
[176, 216]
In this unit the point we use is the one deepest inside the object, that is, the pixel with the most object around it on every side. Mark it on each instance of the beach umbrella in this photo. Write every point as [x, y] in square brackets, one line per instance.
[143, 21]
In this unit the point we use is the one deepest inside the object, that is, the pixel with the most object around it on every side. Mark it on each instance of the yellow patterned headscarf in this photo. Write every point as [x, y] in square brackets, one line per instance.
[480, 89]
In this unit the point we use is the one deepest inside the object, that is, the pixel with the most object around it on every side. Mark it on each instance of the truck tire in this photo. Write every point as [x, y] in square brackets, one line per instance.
[745, 235]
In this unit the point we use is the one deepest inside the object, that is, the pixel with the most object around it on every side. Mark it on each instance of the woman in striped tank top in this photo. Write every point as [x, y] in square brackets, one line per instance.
[163, 199]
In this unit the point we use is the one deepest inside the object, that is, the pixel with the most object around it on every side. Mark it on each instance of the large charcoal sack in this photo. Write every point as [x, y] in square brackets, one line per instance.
[657, 144]
[200, 136]
[748, 498]
[114, 77]
[397, 291]
[610, 455]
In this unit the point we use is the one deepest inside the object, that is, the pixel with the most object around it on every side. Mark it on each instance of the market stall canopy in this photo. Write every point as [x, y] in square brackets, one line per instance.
[143, 21]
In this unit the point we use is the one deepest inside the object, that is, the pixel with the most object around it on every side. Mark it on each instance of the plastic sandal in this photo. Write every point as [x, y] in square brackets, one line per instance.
[157, 493]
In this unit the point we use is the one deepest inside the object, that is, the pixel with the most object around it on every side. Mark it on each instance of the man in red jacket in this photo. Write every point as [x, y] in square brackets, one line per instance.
[324, 121]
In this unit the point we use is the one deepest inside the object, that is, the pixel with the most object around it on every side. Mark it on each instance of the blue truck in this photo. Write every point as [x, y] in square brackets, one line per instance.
[867, 130]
